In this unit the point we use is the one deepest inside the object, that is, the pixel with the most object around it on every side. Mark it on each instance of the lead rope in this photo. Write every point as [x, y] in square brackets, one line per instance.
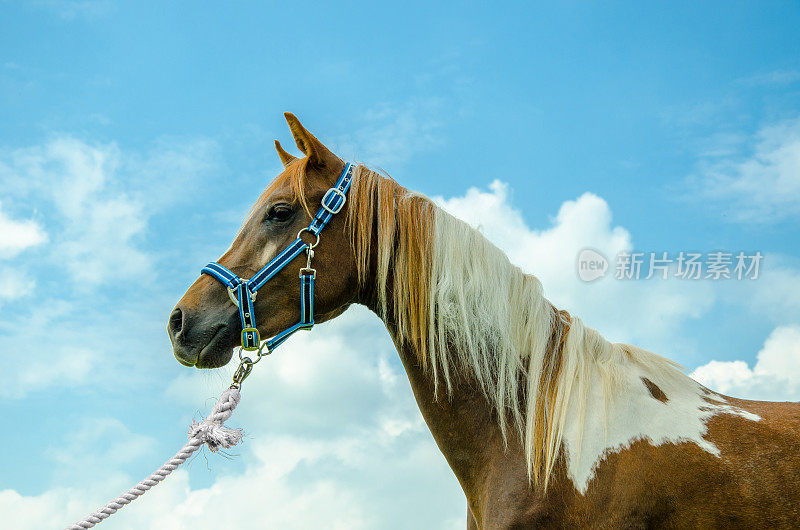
[210, 432]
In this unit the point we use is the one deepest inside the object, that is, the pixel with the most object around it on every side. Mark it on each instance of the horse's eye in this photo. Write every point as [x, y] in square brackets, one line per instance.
[280, 212]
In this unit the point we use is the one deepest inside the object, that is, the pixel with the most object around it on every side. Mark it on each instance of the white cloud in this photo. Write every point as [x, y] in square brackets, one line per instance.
[14, 283]
[392, 134]
[346, 367]
[775, 376]
[774, 295]
[291, 483]
[84, 454]
[762, 185]
[89, 460]
[57, 352]
[101, 220]
[96, 202]
[333, 439]
[647, 313]
[48, 510]
[16, 236]
[70, 366]
[99, 199]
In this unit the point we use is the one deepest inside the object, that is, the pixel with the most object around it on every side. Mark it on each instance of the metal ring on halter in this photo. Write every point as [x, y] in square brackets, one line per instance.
[305, 229]
[247, 359]
[259, 353]
[232, 296]
[246, 364]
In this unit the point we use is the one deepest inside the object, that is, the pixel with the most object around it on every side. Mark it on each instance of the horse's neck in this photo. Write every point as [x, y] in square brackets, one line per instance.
[465, 427]
[463, 423]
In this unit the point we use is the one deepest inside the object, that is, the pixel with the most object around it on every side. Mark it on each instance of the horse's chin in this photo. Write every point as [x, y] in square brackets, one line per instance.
[214, 358]
[215, 353]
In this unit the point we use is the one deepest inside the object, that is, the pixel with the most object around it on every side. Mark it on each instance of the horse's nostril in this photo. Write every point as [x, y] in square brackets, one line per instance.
[176, 321]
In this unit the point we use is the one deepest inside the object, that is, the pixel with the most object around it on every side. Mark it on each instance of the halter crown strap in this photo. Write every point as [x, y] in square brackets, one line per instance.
[243, 292]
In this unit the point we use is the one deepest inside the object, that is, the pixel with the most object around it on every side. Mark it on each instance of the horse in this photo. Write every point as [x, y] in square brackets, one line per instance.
[544, 422]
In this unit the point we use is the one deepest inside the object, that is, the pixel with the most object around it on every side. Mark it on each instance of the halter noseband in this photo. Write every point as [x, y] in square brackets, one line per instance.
[243, 292]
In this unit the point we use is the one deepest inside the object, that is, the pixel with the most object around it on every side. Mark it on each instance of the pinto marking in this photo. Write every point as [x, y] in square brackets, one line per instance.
[633, 414]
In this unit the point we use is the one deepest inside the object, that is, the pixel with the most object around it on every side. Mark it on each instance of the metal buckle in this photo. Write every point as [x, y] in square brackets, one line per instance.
[333, 191]
[308, 271]
[258, 339]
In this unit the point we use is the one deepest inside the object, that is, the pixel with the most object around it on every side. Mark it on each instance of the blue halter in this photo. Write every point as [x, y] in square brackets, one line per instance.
[243, 292]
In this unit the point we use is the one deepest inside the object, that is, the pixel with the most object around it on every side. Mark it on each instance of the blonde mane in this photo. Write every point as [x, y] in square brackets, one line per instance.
[468, 312]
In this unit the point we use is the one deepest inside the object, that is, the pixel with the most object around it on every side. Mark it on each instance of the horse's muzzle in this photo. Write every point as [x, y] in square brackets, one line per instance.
[200, 341]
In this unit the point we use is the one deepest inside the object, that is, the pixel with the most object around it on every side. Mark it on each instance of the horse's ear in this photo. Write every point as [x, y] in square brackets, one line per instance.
[317, 154]
[286, 158]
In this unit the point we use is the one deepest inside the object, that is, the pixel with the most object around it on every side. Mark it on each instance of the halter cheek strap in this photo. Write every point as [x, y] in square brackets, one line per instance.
[243, 292]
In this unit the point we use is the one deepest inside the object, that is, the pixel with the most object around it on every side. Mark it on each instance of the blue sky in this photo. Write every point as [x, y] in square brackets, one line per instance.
[136, 135]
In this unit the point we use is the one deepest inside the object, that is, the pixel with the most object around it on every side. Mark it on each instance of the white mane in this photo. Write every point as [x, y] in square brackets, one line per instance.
[502, 330]
[469, 312]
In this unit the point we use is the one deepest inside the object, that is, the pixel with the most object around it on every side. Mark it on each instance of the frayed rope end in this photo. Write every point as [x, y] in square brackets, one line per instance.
[215, 436]
[210, 431]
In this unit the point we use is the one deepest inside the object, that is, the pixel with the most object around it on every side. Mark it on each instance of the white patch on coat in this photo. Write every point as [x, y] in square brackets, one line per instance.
[633, 414]
[269, 251]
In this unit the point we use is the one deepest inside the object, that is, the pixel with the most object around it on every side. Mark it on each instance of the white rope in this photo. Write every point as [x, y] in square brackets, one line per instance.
[210, 432]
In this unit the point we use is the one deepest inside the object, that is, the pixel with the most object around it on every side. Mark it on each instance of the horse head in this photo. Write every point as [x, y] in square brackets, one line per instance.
[205, 325]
